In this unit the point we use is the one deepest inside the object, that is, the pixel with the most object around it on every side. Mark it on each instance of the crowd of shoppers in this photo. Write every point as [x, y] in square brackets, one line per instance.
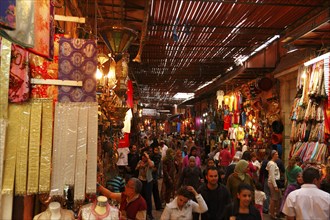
[236, 186]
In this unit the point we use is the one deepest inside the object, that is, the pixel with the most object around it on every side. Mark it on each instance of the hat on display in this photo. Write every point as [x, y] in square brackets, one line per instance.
[264, 83]
[277, 127]
[276, 138]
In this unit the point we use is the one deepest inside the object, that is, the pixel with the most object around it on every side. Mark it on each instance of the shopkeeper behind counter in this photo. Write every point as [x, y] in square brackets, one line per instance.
[132, 204]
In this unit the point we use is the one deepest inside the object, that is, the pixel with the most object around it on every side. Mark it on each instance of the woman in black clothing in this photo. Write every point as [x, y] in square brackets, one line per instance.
[242, 208]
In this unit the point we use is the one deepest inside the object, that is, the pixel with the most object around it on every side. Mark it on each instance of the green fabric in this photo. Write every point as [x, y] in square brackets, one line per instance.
[240, 169]
[291, 174]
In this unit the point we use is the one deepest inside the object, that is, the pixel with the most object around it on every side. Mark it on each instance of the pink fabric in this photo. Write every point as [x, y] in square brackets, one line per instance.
[225, 158]
[185, 162]
[19, 81]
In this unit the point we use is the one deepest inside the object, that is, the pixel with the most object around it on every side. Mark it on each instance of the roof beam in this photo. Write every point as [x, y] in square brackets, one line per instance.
[263, 3]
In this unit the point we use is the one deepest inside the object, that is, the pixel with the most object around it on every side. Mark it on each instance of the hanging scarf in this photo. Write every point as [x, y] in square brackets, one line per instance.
[5, 52]
[23, 34]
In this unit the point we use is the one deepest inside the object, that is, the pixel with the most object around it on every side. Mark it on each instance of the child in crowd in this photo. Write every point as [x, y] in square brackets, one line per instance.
[259, 198]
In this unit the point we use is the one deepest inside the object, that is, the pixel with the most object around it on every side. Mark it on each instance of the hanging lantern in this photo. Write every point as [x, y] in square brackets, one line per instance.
[117, 38]
[112, 81]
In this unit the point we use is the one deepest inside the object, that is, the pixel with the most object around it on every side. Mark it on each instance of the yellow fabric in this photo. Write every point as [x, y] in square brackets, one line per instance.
[4, 76]
[3, 131]
[34, 147]
[46, 146]
[10, 149]
[22, 147]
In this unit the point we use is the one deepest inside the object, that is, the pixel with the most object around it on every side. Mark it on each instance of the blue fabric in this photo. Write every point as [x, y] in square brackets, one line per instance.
[7, 14]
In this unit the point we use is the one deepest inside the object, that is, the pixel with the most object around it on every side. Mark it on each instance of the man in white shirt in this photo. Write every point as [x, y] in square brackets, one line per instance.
[308, 202]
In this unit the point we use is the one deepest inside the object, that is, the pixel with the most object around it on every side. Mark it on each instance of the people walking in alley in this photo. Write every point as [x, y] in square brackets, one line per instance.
[191, 175]
[192, 152]
[239, 176]
[308, 202]
[242, 207]
[168, 186]
[215, 195]
[275, 194]
[145, 167]
[183, 206]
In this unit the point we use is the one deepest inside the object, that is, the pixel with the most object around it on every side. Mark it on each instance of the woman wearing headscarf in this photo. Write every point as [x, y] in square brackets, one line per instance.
[168, 176]
[191, 175]
[193, 152]
[238, 177]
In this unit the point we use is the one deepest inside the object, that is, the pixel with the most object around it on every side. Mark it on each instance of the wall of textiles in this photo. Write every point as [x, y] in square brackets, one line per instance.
[43, 140]
[310, 113]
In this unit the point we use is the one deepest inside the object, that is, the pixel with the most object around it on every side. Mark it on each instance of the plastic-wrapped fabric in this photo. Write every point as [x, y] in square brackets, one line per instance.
[19, 83]
[70, 142]
[34, 147]
[5, 53]
[77, 61]
[7, 14]
[24, 33]
[3, 131]
[43, 25]
[46, 146]
[80, 172]
[23, 123]
[12, 143]
[92, 148]
[57, 185]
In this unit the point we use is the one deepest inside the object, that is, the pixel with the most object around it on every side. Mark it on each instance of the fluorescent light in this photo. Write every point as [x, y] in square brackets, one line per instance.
[317, 59]
[182, 95]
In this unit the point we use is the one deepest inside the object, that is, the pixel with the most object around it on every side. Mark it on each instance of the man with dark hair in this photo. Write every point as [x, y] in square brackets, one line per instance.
[215, 195]
[308, 202]
[132, 204]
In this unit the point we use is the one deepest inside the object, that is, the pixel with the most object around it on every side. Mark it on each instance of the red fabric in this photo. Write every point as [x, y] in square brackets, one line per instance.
[124, 142]
[225, 157]
[44, 69]
[227, 122]
[129, 94]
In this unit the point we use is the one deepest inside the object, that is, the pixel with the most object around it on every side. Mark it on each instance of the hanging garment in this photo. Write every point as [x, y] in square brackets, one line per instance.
[23, 34]
[19, 82]
[78, 61]
[43, 28]
[7, 14]
[3, 131]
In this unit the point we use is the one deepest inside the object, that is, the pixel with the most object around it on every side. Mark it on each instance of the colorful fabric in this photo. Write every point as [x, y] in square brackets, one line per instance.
[23, 35]
[43, 28]
[78, 61]
[44, 69]
[7, 14]
[19, 81]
